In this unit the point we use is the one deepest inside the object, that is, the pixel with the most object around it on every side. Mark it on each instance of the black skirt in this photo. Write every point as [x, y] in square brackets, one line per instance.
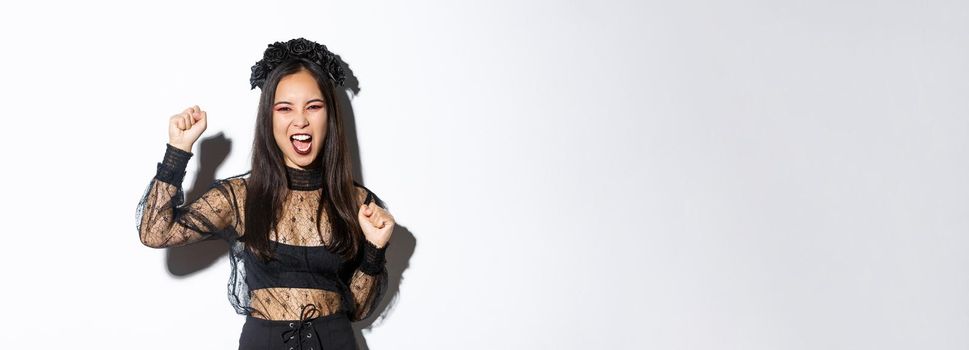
[330, 332]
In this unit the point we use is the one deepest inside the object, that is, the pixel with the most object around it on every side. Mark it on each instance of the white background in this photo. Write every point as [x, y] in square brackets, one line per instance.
[566, 175]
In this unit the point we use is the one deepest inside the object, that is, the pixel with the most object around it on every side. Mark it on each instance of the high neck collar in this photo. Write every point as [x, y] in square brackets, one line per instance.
[304, 180]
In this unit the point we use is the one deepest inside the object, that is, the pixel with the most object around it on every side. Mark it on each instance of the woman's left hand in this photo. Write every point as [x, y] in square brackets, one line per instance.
[376, 222]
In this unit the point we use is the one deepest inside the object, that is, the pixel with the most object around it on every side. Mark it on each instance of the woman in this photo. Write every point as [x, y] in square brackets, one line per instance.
[307, 242]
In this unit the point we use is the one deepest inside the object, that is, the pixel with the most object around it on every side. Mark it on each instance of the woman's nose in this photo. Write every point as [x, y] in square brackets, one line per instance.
[301, 120]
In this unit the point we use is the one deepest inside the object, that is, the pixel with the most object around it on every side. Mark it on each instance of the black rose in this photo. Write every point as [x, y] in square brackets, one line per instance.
[258, 75]
[275, 53]
[300, 47]
[338, 73]
[316, 55]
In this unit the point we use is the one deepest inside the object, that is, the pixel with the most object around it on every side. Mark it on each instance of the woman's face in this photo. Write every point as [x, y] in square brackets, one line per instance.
[299, 119]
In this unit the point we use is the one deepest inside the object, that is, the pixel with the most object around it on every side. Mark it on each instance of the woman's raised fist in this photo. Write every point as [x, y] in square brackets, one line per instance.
[186, 127]
[377, 223]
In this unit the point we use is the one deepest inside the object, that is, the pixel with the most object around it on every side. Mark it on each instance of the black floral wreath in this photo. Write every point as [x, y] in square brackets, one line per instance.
[279, 52]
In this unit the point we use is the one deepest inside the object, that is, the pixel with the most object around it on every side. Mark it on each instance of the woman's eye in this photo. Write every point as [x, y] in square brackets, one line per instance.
[316, 107]
[283, 109]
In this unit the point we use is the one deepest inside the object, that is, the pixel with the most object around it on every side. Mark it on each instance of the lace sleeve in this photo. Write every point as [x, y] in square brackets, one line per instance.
[368, 283]
[163, 220]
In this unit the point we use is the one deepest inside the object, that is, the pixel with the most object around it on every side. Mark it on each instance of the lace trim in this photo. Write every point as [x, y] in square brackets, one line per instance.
[305, 179]
[373, 258]
[172, 167]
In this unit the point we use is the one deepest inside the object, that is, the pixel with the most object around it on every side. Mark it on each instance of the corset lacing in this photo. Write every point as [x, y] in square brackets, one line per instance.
[305, 323]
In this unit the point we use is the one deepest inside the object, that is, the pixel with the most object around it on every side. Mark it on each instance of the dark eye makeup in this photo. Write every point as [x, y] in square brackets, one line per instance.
[283, 109]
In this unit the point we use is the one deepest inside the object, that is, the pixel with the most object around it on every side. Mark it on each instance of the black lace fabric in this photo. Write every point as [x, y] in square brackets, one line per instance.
[164, 220]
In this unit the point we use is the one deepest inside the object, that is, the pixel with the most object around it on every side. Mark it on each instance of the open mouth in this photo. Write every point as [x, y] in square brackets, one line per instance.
[302, 143]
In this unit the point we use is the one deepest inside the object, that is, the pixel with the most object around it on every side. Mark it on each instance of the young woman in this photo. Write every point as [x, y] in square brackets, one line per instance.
[307, 242]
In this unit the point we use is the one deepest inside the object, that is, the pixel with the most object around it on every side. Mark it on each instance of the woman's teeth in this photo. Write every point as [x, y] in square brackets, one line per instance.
[301, 143]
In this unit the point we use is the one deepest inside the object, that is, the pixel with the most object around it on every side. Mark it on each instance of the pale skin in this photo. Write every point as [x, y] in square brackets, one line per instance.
[298, 108]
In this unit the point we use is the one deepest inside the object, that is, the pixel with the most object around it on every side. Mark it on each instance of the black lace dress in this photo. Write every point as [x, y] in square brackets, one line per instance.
[304, 280]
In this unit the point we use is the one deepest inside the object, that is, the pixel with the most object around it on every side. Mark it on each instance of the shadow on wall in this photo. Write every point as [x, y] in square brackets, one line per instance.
[214, 150]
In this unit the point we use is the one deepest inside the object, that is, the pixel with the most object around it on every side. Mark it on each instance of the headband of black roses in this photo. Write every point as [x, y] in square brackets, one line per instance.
[279, 52]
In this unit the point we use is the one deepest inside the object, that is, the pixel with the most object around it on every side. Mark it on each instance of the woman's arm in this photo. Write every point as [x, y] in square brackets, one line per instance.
[162, 219]
[369, 280]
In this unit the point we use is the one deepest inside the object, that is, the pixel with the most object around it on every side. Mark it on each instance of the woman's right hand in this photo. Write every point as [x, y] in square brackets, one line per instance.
[186, 127]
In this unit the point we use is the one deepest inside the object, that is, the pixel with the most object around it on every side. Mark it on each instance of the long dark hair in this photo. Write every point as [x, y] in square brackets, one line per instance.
[266, 187]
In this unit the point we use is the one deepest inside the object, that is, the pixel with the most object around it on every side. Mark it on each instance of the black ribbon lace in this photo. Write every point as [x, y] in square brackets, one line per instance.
[305, 324]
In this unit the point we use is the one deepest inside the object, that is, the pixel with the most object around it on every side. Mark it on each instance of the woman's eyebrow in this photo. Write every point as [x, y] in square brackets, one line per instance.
[312, 100]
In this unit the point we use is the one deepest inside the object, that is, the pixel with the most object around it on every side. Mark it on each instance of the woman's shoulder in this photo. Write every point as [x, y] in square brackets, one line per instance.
[236, 183]
[239, 179]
